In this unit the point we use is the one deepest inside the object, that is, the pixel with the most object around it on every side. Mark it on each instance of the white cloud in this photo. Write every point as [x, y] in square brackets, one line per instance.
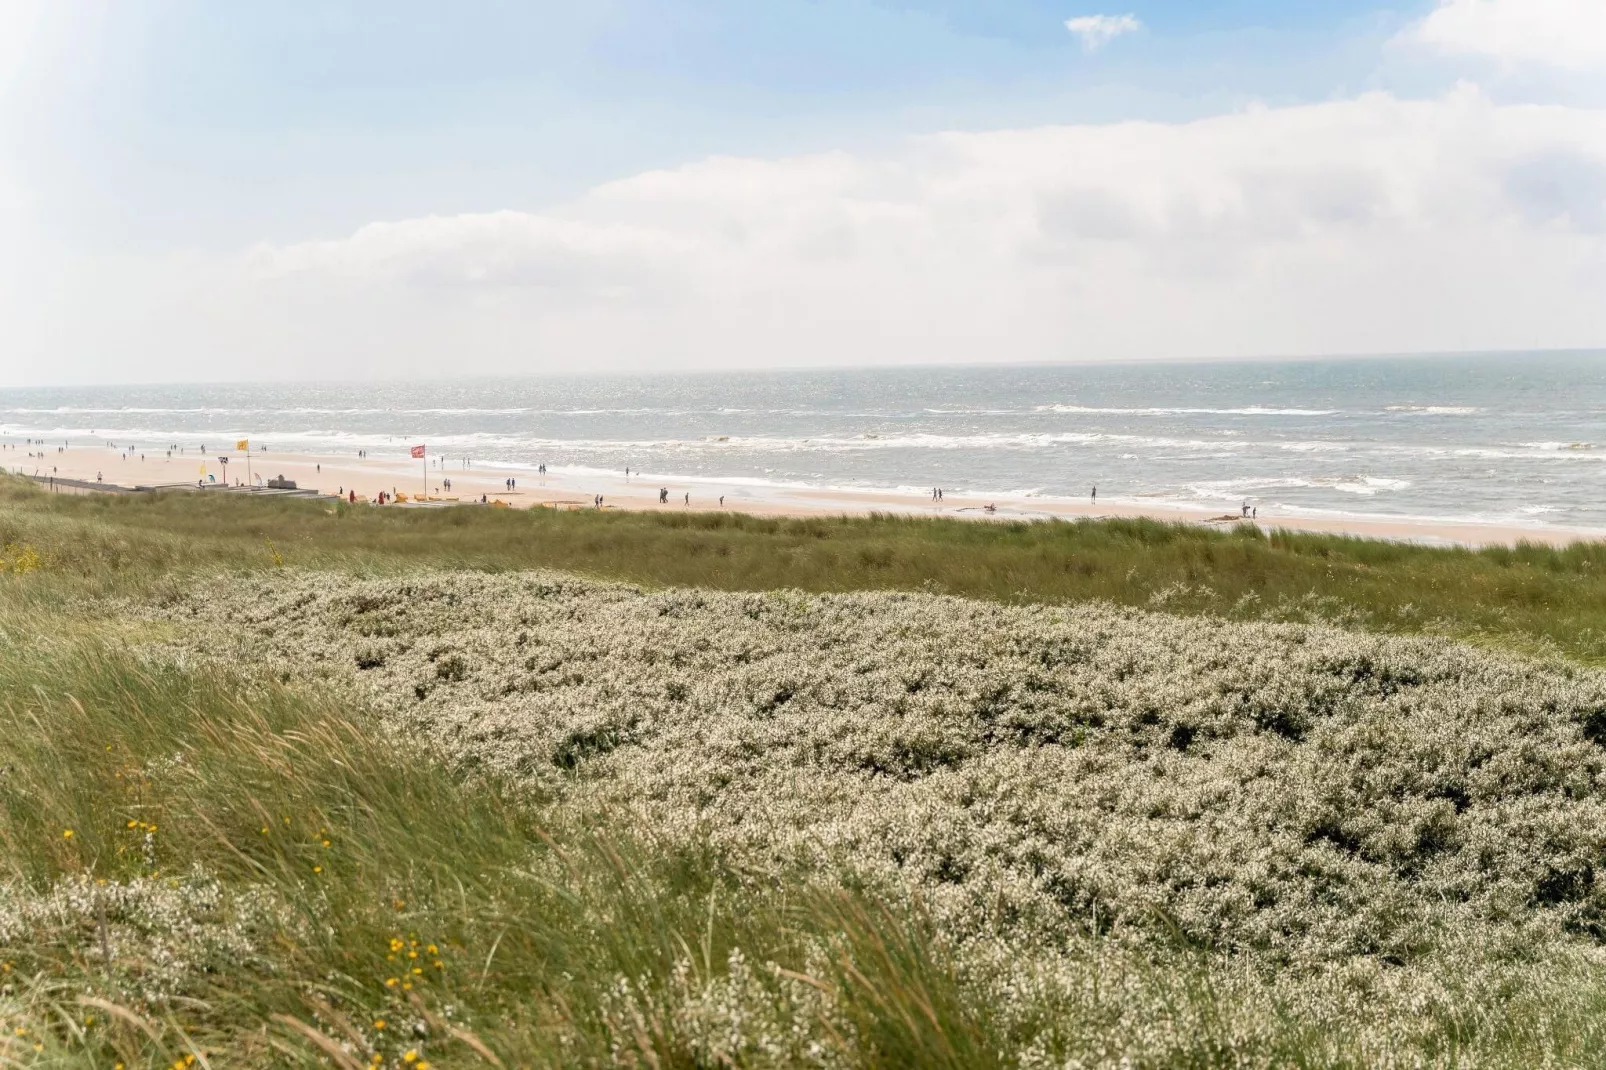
[1096, 31]
[1368, 225]
[1569, 34]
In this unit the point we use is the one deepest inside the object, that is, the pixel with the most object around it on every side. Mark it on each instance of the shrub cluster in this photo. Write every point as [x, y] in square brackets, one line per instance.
[1300, 796]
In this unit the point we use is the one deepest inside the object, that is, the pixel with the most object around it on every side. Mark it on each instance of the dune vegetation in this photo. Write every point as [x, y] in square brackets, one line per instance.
[299, 785]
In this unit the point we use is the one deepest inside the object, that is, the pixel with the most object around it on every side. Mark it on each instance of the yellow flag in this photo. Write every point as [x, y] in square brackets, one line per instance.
[203, 469]
[243, 444]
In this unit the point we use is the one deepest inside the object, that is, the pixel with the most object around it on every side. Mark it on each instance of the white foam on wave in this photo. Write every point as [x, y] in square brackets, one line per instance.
[1434, 410]
[1313, 447]
[1223, 489]
[1248, 410]
[1365, 485]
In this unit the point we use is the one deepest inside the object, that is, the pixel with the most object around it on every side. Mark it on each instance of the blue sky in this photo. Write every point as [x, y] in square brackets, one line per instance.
[227, 120]
[151, 148]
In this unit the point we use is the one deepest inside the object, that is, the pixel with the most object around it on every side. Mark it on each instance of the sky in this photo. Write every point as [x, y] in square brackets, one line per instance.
[193, 191]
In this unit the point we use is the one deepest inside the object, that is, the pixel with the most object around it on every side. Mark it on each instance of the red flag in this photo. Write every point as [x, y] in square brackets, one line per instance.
[418, 451]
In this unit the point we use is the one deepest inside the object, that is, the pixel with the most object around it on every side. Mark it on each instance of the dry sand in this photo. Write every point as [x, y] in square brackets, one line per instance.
[367, 477]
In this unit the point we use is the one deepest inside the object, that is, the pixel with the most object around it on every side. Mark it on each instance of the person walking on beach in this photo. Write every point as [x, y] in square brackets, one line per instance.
[1095, 496]
[688, 497]
[722, 501]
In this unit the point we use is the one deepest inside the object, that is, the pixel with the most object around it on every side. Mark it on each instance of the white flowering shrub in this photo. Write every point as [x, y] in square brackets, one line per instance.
[1301, 794]
[162, 937]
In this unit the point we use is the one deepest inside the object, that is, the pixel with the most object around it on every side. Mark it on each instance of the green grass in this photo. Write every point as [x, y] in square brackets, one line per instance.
[250, 865]
[122, 776]
[197, 911]
[1531, 598]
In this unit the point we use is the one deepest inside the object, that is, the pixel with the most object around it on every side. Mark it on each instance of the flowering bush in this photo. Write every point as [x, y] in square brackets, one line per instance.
[1301, 794]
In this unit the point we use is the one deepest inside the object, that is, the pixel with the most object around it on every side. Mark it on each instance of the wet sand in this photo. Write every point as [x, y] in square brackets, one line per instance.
[333, 474]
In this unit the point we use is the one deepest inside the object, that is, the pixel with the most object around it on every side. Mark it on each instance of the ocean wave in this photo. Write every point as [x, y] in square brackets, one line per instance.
[1250, 410]
[1435, 410]
[1365, 486]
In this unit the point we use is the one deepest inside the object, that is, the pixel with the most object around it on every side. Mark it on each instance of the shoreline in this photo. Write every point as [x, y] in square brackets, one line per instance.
[341, 474]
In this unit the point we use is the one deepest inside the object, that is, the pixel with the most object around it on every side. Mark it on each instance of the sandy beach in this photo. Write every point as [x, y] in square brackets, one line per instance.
[457, 481]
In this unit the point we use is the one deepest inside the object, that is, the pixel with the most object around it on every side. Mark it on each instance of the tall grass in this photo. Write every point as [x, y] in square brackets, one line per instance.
[229, 869]
[1529, 597]
[214, 869]
[250, 869]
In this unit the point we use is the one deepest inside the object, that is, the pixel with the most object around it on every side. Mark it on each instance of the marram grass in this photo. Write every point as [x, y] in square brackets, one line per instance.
[1532, 598]
[241, 804]
[198, 865]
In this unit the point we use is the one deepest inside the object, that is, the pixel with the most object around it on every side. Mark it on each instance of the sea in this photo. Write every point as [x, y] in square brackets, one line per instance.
[1513, 439]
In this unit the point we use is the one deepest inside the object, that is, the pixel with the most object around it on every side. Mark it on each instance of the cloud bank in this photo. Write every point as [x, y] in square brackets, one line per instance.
[1096, 31]
[1368, 225]
[1570, 34]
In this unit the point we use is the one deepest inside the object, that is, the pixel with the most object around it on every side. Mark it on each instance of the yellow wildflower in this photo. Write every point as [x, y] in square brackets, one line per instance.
[410, 1056]
[317, 869]
[433, 950]
[66, 834]
[390, 982]
[379, 1023]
